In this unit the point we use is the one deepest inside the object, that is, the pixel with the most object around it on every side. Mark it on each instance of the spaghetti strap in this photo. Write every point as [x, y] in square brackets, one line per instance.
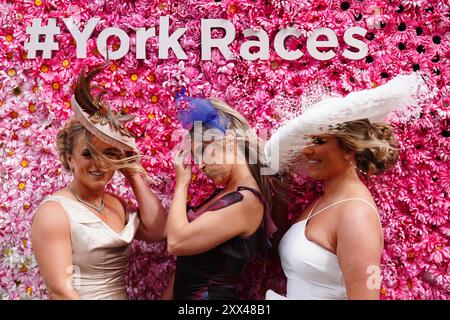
[338, 202]
[314, 206]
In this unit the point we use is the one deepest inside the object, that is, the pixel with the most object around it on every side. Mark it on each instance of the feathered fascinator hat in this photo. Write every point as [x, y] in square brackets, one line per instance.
[375, 104]
[98, 117]
[198, 109]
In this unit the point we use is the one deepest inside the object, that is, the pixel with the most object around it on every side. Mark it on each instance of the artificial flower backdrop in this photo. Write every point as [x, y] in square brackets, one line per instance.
[403, 36]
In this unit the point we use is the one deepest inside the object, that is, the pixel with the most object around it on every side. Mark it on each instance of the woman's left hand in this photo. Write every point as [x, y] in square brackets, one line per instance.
[130, 173]
[182, 166]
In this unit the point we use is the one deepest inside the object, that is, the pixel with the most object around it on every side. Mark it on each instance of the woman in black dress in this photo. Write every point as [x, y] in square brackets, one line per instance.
[214, 241]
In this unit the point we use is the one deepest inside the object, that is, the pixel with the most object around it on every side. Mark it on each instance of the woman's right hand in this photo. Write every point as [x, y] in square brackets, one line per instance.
[182, 166]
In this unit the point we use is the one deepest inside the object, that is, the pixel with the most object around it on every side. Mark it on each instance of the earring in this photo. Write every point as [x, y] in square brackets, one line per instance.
[356, 167]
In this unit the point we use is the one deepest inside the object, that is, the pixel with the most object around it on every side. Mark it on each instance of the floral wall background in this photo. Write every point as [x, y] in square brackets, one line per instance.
[403, 36]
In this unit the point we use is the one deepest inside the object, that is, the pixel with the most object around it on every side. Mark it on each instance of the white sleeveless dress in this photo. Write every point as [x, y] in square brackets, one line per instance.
[313, 272]
[100, 256]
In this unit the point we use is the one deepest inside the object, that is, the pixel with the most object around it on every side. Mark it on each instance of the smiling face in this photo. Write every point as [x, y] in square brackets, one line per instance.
[85, 169]
[325, 157]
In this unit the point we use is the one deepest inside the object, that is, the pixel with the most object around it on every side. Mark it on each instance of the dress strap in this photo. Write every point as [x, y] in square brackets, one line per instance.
[223, 201]
[338, 202]
[194, 208]
[269, 226]
[228, 198]
[232, 198]
[314, 206]
[254, 191]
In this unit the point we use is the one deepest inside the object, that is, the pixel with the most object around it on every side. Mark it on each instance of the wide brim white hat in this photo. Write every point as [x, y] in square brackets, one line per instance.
[376, 104]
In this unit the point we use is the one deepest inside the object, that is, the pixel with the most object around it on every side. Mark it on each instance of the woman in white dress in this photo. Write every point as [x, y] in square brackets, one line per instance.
[81, 234]
[333, 249]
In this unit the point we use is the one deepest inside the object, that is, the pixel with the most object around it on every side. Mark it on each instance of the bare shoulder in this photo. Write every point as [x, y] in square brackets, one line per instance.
[358, 219]
[115, 202]
[50, 217]
[115, 199]
[251, 201]
[113, 196]
[358, 211]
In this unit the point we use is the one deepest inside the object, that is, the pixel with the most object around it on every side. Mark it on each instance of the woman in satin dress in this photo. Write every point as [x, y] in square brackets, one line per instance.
[82, 234]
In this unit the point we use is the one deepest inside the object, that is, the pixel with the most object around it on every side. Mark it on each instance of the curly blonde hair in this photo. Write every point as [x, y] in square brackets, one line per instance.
[374, 144]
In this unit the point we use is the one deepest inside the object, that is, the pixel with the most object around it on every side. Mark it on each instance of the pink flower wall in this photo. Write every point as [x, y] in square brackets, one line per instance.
[403, 36]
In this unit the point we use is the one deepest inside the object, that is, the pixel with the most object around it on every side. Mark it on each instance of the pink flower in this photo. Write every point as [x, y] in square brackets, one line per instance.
[412, 198]
[439, 254]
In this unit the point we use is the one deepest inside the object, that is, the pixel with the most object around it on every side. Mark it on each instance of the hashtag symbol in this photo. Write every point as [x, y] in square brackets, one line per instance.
[49, 44]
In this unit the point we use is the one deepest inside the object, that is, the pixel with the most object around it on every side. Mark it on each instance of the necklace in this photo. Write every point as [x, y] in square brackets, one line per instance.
[99, 208]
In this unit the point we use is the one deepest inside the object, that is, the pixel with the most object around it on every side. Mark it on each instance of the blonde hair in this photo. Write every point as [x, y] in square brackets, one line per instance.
[73, 130]
[70, 134]
[374, 144]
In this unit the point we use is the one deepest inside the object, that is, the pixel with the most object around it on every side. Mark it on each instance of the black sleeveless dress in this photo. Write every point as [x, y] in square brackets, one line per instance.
[213, 275]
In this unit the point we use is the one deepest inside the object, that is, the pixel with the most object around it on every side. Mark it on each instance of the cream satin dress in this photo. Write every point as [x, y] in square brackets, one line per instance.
[100, 255]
